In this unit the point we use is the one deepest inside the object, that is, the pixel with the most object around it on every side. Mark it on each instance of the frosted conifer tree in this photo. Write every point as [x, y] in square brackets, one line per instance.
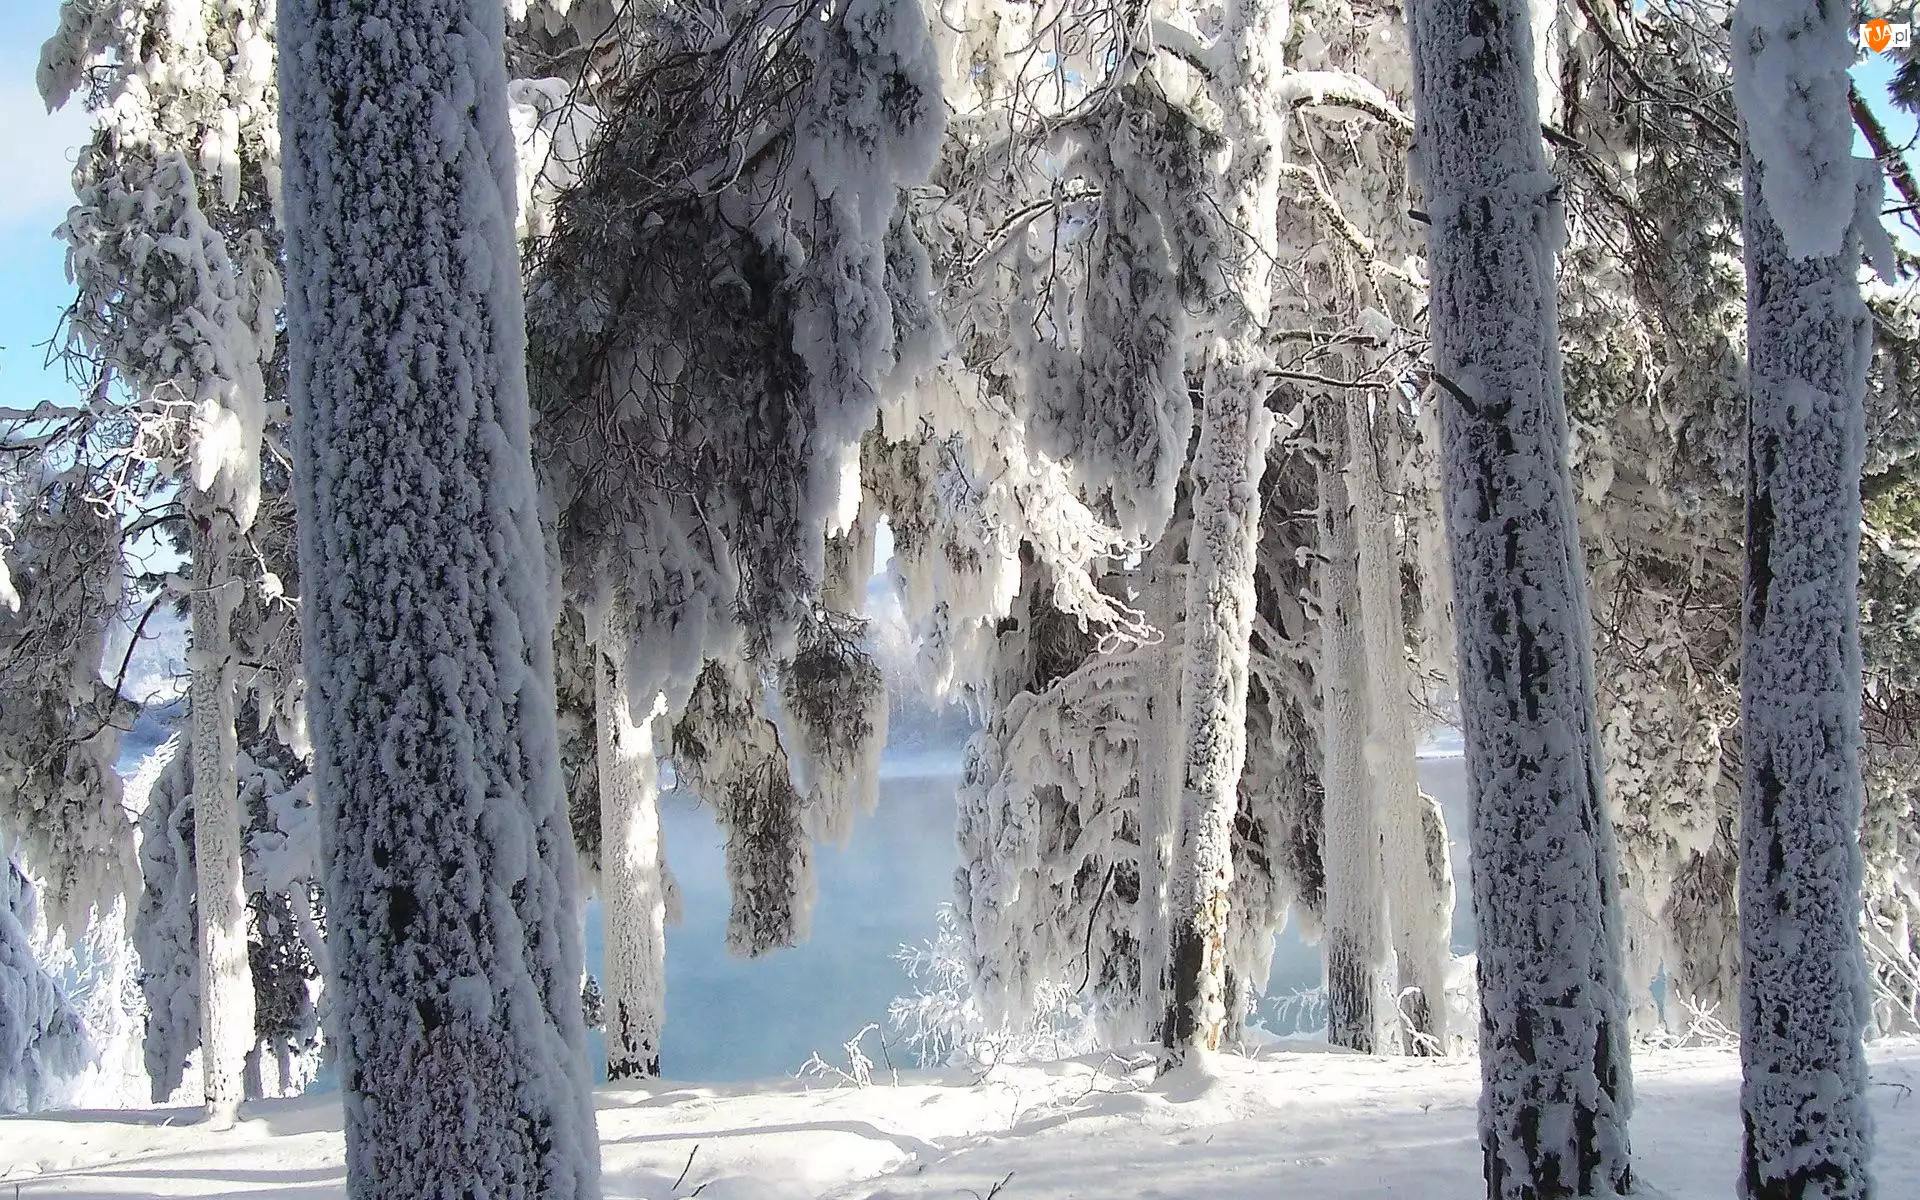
[174, 253]
[453, 950]
[1088, 267]
[60, 723]
[1556, 1093]
[1651, 314]
[1809, 205]
[713, 338]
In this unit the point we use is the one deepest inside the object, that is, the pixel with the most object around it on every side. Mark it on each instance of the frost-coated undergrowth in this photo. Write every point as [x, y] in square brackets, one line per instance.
[1557, 1093]
[454, 952]
[1803, 987]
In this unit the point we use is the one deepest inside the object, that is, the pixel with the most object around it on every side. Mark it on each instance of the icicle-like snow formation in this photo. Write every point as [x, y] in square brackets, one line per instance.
[1556, 1092]
[1803, 984]
[1049, 834]
[1112, 404]
[454, 950]
[732, 336]
[1413, 832]
[42, 1040]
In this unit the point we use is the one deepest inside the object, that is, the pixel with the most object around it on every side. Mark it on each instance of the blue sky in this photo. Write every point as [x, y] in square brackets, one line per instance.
[36, 155]
[35, 158]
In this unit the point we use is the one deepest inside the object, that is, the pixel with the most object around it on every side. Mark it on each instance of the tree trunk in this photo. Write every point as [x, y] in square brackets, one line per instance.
[632, 893]
[453, 944]
[1235, 428]
[1356, 933]
[226, 982]
[1803, 986]
[1419, 876]
[1553, 1021]
[1161, 735]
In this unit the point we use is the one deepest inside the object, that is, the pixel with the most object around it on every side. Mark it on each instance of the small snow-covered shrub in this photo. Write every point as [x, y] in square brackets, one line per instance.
[941, 1019]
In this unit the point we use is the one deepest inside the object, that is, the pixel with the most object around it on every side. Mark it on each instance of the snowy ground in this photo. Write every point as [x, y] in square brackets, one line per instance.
[1291, 1123]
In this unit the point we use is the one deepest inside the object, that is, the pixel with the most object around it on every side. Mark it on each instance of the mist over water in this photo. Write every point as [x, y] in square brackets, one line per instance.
[731, 1019]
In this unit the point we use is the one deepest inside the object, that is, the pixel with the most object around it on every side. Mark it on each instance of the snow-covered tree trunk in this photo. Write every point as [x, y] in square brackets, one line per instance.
[226, 986]
[632, 887]
[1356, 930]
[1235, 428]
[1803, 983]
[453, 947]
[1413, 834]
[1556, 1090]
[1162, 730]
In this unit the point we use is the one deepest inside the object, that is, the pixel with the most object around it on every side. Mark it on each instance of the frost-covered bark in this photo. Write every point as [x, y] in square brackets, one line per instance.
[632, 886]
[1162, 728]
[1803, 985]
[1235, 428]
[1356, 939]
[226, 991]
[1556, 1093]
[1413, 834]
[454, 953]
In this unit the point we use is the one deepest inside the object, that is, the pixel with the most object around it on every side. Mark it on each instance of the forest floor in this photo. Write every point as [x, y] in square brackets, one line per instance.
[1289, 1122]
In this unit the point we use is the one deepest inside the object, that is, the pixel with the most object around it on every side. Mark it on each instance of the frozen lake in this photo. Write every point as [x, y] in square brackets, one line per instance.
[731, 1019]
